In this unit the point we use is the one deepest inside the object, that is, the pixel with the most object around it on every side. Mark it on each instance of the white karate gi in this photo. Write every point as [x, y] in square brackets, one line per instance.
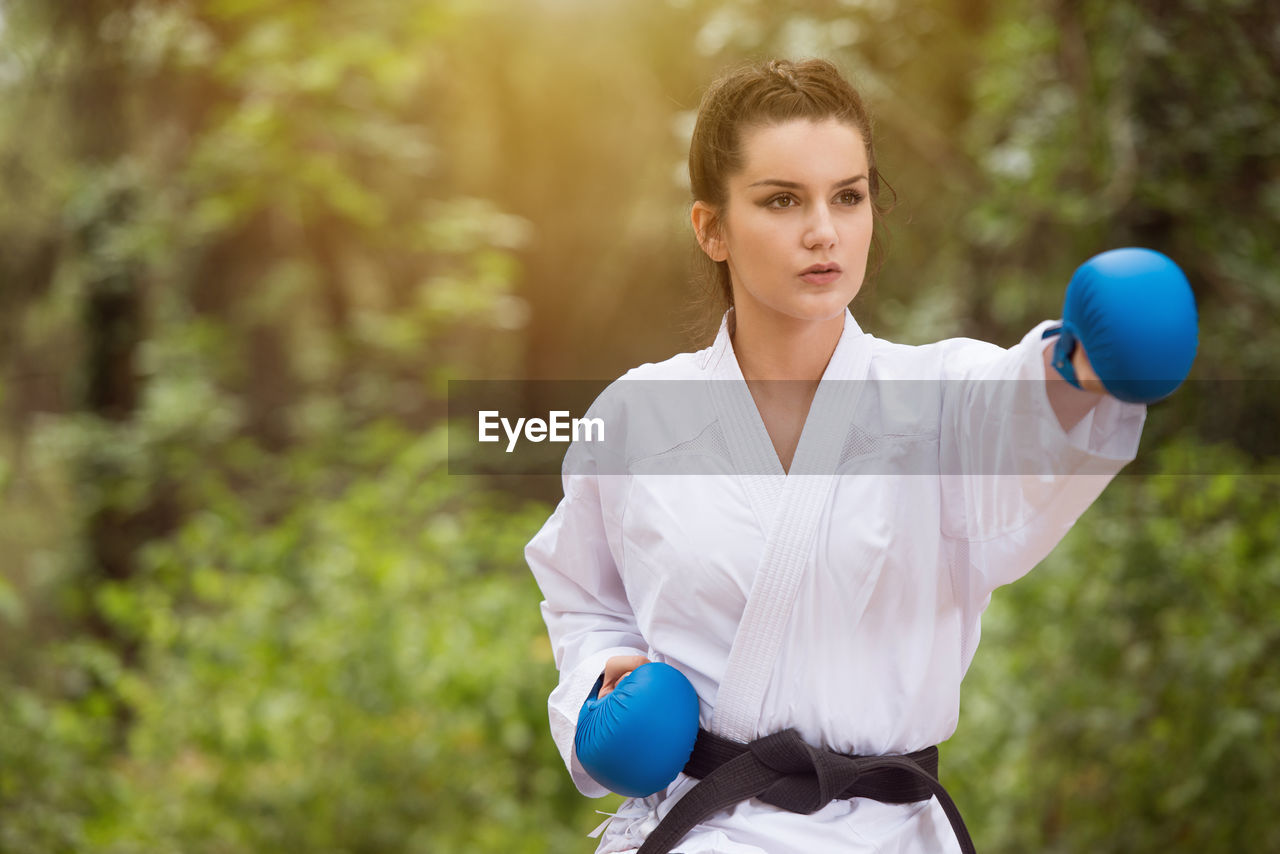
[892, 582]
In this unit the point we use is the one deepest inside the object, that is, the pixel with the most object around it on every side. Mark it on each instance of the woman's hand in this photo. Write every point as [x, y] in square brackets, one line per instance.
[635, 740]
[1136, 309]
[616, 668]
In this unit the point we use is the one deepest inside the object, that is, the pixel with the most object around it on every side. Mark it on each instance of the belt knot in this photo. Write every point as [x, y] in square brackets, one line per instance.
[809, 777]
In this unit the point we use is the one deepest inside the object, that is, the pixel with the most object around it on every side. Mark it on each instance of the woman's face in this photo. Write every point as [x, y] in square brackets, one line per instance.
[796, 228]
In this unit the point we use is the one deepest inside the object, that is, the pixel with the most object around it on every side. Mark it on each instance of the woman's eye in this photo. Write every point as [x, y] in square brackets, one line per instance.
[850, 197]
[781, 202]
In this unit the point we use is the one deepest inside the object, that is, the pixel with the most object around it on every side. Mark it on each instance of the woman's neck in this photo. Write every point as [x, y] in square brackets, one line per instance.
[784, 350]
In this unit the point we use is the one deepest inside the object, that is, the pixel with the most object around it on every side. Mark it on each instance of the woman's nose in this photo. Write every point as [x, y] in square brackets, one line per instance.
[820, 229]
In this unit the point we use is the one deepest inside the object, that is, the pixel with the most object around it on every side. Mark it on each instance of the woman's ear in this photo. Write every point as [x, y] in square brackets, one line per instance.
[706, 227]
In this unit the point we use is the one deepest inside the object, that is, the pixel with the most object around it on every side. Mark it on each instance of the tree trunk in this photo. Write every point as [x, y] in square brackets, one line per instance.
[112, 315]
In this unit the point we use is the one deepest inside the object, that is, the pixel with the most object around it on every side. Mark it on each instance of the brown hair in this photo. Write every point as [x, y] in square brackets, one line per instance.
[761, 94]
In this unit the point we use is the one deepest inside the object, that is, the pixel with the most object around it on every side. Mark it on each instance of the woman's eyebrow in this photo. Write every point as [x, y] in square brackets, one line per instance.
[792, 185]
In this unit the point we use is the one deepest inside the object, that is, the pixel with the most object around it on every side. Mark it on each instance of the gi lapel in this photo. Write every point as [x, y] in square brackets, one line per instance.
[790, 509]
[751, 451]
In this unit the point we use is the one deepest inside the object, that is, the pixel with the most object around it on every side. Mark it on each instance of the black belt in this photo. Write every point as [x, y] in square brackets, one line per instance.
[782, 770]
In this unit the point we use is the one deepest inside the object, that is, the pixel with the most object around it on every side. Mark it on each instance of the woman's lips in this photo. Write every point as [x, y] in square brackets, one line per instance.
[821, 274]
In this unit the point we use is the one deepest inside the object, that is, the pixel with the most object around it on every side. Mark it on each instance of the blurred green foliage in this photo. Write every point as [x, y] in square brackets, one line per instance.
[1125, 696]
[244, 244]
[358, 671]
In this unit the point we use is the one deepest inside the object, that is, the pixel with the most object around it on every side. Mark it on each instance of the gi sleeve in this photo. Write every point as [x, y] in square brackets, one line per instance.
[588, 616]
[1013, 481]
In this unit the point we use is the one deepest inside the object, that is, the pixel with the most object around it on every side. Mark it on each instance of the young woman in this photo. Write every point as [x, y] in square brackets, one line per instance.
[799, 565]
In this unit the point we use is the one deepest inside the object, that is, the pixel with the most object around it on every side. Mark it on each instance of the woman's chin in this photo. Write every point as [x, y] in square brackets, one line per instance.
[813, 307]
[821, 307]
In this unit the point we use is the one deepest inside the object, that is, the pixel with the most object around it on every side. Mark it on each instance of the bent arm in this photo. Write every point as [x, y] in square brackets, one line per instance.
[589, 619]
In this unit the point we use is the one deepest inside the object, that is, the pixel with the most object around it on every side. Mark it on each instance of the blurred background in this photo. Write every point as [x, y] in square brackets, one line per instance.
[244, 244]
